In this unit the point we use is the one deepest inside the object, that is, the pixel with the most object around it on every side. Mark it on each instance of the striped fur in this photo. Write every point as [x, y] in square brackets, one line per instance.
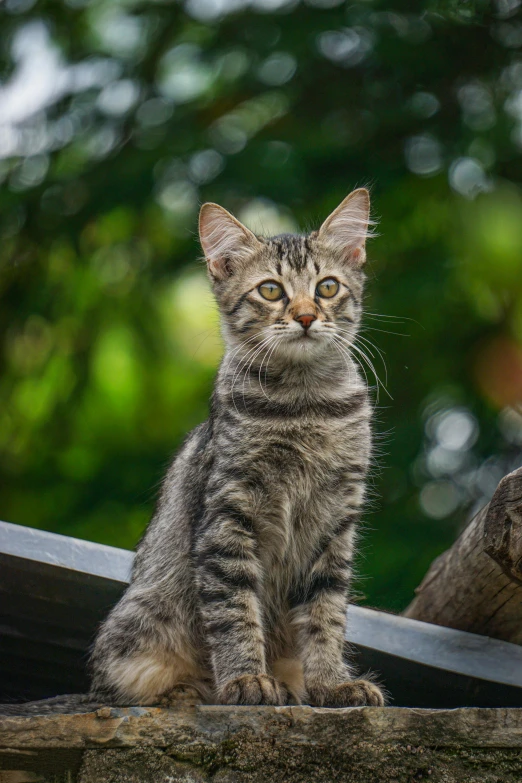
[241, 582]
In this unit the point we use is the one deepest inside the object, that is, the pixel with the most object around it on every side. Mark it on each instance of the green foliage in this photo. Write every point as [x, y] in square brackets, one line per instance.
[117, 119]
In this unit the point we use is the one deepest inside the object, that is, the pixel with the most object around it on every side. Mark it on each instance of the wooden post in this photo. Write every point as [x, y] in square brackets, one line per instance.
[476, 585]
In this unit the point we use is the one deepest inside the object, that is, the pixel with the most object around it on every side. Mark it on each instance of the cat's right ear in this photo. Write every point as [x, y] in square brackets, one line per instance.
[224, 240]
[349, 226]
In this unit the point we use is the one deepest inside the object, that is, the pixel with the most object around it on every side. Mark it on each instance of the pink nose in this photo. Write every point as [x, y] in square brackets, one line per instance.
[305, 320]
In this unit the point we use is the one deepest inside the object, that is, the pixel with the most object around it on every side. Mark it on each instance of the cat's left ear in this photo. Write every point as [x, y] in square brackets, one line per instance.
[348, 227]
[225, 241]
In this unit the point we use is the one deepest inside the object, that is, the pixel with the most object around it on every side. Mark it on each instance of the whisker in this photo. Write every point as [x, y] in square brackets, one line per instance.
[386, 331]
[274, 346]
[368, 361]
[265, 344]
[376, 348]
[209, 333]
[352, 360]
[397, 318]
[348, 359]
[242, 365]
[374, 371]
[237, 372]
[229, 357]
[368, 345]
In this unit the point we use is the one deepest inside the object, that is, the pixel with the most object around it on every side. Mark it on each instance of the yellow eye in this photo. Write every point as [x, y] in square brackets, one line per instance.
[271, 290]
[327, 288]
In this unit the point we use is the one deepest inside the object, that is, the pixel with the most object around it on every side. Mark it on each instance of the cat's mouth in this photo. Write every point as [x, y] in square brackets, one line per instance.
[306, 336]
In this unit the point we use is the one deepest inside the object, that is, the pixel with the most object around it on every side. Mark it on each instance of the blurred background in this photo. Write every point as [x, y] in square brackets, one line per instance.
[118, 118]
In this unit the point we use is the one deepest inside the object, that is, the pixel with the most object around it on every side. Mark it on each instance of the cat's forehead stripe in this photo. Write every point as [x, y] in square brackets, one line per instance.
[291, 249]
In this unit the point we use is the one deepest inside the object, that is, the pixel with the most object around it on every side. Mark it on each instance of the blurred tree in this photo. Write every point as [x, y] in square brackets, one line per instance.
[118, 118]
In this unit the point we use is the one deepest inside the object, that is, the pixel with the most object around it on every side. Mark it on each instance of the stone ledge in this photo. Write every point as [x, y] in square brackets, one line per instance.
[256, 744]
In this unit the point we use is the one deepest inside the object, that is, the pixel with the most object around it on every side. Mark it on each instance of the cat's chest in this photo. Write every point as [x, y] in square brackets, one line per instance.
[297, 477]
[307, 448]
[303, 471]
[290, 462]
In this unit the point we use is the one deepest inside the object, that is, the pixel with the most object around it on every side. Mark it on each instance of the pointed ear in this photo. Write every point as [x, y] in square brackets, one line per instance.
[224, 240]
[348, 227]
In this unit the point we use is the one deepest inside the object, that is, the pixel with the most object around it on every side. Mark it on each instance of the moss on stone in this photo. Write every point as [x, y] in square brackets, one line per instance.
[265, 745]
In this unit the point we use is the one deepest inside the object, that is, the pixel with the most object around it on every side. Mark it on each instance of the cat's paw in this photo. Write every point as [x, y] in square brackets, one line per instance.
[254, 689]
[180, 694]
[353, 693]
[199, 692]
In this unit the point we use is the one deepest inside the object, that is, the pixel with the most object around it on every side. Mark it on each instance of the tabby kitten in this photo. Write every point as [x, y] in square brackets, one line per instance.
[240, 584]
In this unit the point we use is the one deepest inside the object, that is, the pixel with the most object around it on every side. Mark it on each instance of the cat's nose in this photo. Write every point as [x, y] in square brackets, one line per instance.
[306, 320]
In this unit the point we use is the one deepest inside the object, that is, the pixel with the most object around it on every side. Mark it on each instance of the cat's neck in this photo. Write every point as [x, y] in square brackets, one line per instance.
[330, 374]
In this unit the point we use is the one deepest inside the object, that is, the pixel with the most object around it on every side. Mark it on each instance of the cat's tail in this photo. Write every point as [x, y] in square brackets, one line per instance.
[74, 702]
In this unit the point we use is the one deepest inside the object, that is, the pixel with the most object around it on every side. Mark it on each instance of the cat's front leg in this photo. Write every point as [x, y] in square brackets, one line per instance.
[320, 604]
[229, 580]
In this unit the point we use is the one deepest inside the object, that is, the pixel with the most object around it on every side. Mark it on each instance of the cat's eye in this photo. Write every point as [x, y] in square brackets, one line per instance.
[271, 290]
[327, 288]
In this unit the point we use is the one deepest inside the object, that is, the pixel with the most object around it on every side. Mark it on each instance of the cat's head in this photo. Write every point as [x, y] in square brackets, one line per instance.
[292, 293]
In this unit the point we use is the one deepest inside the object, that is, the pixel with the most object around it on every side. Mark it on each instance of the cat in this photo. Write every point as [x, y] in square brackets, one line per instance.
[240, 585]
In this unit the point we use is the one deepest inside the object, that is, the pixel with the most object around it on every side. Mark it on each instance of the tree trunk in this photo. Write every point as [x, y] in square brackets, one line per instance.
[476, 585]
